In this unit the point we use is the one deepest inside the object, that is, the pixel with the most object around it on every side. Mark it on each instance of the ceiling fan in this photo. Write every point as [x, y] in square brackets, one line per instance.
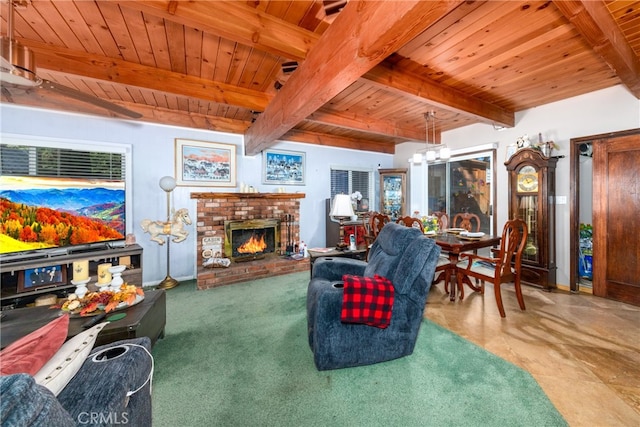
[18, 74]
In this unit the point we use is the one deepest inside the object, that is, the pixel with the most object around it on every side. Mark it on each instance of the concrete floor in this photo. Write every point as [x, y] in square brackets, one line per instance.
[584, 351]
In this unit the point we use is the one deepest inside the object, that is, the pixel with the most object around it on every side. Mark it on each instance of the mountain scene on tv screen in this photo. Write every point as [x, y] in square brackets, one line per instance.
[45, 218]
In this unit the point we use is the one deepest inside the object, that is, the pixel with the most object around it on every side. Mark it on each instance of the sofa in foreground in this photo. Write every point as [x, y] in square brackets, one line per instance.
[112, 387]
[401, 256]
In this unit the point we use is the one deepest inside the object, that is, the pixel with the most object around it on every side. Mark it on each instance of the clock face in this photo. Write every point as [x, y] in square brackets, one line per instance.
[528, 180]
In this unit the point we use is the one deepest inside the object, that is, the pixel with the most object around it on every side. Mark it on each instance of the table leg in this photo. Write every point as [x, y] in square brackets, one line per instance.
[450, 278]
[467, 281]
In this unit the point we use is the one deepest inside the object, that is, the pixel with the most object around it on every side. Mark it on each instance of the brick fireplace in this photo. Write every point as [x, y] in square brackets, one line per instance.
[216, 209]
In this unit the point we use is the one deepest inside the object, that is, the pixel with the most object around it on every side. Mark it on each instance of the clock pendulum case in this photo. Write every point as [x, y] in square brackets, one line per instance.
[532, 182]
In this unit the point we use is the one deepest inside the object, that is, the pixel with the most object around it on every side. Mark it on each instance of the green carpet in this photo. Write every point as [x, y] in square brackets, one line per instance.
[238, 356]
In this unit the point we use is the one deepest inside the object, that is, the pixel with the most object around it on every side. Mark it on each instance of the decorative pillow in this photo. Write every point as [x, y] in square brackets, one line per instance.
[367, 300]
[57, 372]
[29, 354]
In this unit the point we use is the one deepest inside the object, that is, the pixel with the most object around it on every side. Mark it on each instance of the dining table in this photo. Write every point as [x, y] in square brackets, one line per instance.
[453, 244]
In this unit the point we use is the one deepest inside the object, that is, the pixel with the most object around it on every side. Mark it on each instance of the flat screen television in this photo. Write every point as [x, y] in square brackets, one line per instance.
[49, 214]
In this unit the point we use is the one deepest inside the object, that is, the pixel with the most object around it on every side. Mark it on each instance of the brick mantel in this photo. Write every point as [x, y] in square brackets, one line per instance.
[247, 195]
[213, 209]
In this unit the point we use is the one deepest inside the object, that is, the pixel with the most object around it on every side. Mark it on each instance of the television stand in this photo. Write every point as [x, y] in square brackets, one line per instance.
[13, 272]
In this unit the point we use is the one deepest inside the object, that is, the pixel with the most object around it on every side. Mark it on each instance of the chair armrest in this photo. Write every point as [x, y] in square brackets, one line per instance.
[115, 378]
[332, 269]
[495, 262]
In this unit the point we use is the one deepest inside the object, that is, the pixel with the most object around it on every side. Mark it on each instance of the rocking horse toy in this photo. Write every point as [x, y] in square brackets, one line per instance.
[174, 228]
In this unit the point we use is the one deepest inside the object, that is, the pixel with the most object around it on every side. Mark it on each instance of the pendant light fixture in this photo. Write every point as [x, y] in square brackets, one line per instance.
[431, 148]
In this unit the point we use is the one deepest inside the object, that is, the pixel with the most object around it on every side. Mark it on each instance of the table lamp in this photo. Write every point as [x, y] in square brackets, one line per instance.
[341, 210]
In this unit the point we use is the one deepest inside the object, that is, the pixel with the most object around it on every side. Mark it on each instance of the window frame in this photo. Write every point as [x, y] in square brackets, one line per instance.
[350, 169]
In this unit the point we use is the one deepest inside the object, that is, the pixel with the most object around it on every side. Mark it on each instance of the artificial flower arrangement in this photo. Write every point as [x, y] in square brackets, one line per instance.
[104, 301]
[430, 223]
[356, 196]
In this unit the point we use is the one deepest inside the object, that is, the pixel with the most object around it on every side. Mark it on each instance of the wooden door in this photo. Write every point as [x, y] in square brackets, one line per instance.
[616, 217]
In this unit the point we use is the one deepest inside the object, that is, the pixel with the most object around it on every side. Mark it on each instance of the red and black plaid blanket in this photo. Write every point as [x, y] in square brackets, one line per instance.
[367, 300]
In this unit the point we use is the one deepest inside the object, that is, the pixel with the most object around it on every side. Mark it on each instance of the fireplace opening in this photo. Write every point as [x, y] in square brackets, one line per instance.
[247, 240]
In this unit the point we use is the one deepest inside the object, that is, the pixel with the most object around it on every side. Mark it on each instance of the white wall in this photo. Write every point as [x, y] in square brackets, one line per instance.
[603, 111]
[153, 158]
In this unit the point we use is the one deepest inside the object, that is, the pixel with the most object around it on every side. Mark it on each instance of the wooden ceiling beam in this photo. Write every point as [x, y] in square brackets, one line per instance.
[362, 36]
[596, 25]
[127, 73]
[358, 123]
[436, 94]
[316, 138]
[235, 21]
[55, 101]
[190, 120]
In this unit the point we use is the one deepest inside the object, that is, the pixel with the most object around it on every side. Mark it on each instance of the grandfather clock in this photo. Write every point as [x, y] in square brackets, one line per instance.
[532, 192]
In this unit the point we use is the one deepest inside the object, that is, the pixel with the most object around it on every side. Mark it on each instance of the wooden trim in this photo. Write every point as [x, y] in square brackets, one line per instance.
[248, 195]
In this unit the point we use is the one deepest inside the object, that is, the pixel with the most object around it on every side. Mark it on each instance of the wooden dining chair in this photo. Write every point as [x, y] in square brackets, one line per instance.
[504, 268]
[409, 221]
[443, 271]
[466, 220]
[443, 267]
[373, 226]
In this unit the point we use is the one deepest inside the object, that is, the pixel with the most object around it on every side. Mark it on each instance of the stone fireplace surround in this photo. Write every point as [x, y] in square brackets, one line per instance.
[213, 209]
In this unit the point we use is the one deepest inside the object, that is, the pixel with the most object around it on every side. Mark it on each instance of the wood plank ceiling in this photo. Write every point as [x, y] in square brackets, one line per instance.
[365, 76]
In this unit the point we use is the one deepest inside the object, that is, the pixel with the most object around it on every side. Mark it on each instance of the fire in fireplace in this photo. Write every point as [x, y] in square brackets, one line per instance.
[251, 239]
[253, 245]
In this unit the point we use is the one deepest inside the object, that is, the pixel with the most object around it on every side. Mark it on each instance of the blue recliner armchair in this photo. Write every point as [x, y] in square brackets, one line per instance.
[401, 254]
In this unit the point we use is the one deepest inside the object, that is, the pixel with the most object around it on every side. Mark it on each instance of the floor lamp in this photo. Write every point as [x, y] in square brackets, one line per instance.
[168, 183]
[341, 211]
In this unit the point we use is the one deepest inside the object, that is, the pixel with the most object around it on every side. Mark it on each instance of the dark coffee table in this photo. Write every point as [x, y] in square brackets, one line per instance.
[145, 319]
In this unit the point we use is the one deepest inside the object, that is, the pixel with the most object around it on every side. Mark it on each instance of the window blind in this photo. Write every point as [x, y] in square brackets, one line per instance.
[26, 160]
[347, 181]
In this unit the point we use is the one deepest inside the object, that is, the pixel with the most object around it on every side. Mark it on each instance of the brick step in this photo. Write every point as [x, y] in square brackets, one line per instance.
[249, 270]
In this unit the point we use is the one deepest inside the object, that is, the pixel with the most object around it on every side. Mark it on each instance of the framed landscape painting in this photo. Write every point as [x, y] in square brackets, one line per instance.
[205, 164]
[283, 167]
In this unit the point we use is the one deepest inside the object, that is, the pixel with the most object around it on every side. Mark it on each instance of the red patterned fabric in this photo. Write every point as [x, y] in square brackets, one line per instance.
[367, 300]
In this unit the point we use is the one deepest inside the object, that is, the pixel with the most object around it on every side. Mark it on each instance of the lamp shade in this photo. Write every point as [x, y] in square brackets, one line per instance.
[431, 156]
[445, 153]
[167, 183]
[417, 157]
[342, 207]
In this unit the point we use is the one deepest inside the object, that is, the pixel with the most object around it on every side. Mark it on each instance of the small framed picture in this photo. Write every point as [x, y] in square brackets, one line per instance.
[511, 150]
[42, 277]
[283, 167]
[207, 164]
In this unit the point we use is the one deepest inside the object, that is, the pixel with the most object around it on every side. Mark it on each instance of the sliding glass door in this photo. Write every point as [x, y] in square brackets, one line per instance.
[463, 184]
